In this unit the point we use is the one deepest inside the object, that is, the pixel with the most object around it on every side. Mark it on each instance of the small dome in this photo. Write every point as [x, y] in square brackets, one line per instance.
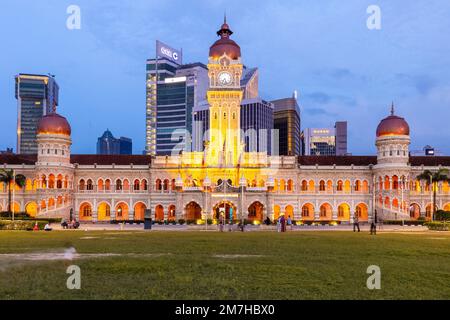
[207, 182]
[53, 123]
[225, 44]
[393, 125]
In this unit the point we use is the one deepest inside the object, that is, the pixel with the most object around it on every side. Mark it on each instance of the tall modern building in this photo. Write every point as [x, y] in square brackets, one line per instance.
[170, 103]
[257, 125]
[326, 141]
[108, 144]
[37, 95]
[286, 117]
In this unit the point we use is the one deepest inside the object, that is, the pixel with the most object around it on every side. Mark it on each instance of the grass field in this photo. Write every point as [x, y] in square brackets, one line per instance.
[212, 265]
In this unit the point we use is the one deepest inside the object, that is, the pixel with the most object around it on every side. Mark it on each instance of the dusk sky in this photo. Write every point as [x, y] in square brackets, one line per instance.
[323, 49]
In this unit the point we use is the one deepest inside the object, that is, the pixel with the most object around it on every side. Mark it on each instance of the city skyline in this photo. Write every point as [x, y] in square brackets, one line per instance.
[100, 67]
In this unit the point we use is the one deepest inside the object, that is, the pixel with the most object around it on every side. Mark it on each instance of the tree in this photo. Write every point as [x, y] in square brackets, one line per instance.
[433, 178]
[8, 177]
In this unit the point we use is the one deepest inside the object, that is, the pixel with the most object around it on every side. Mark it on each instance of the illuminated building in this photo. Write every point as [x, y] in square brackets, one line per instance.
[224, 177]
[326, 141]
[287, 122]
[36, 96]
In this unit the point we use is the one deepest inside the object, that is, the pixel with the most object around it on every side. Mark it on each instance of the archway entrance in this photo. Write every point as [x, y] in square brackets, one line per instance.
[193, 211]
[227, 208]
[255, 211]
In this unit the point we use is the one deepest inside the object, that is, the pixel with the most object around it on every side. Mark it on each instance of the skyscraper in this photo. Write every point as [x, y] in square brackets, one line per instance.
[170, 103]
[257, 125]
[326, 141]
[287, 121]
[37, 95]
[108, 144]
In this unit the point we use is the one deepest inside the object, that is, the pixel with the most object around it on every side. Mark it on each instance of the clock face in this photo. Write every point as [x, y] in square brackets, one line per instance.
[224, 78]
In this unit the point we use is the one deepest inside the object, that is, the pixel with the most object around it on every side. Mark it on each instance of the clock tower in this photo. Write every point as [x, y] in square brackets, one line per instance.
[224, 96]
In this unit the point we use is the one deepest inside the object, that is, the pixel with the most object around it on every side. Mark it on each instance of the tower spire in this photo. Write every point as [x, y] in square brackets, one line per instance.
[225, 17]
[392, 108]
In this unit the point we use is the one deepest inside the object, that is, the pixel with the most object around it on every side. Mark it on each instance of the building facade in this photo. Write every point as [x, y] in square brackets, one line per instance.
[286, 117]
[37, 95]
[326, 141]
[224, 177]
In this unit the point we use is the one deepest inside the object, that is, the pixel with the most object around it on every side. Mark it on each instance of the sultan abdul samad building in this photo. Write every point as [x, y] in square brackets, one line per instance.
[224, 178]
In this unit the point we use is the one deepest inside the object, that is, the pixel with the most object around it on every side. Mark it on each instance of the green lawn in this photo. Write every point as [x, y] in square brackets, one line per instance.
[201, 265]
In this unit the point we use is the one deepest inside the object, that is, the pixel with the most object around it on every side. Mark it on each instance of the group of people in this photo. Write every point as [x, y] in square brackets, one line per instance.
[283, 223]
[373, 224]
[73, 224]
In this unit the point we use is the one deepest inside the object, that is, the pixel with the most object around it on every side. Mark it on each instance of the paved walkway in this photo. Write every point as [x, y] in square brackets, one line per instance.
[252, 228]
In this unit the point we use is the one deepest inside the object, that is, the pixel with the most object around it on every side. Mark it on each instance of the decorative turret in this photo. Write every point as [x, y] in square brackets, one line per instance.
[392, 139]
[54, 141]
[225, 44]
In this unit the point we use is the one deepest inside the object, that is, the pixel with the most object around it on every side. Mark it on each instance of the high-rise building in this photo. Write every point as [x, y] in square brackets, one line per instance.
[170, 103]
[257, 125]
[326, 141]
[286, 119]
[37, 95]
[341, 138]
[108, 144]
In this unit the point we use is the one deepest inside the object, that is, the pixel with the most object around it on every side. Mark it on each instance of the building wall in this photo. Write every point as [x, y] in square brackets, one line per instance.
[338, 189]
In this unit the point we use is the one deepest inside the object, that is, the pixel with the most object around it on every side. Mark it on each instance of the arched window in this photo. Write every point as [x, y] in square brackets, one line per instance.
[158, 185]
[136, 185]
[340, 185]
[144, 185]
[322, 185]
[82, 185]
[89, 185]
[118, 184]
[304, 185]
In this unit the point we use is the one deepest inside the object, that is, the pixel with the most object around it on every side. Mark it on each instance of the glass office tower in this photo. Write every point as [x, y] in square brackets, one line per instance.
[37, 95]
[170, 103]
[287, 121]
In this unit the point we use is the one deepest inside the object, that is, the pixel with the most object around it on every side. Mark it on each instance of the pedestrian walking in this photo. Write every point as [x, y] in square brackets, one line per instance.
[283, 224]
[289, 222]
[356, 222]
[221, 222]
[373, 225]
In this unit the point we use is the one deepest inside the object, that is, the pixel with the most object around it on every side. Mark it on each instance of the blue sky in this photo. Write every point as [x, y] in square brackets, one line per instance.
[323, 49]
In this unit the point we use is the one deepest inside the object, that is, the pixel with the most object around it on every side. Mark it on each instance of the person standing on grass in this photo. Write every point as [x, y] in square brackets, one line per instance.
[373, 225]
[221, 222]
[279, 224]
[289, 222]
[283, 223]
[355, 222]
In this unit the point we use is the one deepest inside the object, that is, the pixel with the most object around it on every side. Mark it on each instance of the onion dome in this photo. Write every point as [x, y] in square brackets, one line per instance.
[179, 181]
[225, 44]
[53, 123]
[393, 125]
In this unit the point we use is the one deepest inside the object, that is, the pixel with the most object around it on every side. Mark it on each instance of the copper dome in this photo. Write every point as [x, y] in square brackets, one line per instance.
[53, 123]
[393, 125]
[225, 44]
